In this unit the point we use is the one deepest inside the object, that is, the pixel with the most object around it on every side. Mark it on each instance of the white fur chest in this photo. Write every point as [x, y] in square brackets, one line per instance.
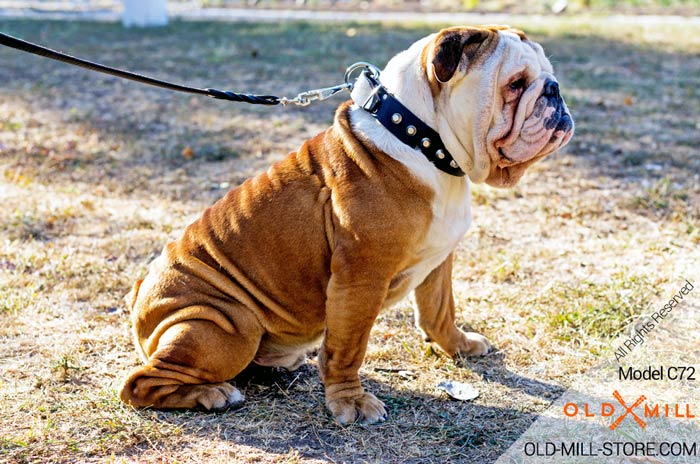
[451, 220]
[450, 208]
[405, 78]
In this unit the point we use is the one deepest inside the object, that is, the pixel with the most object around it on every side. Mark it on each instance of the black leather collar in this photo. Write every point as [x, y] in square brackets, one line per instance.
[408, 127]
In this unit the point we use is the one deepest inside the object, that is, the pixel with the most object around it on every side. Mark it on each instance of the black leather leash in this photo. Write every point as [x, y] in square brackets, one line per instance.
[29, 47]
[381, 104]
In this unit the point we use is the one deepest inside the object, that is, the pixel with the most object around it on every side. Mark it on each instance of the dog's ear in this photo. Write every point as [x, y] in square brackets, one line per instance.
[452, 45]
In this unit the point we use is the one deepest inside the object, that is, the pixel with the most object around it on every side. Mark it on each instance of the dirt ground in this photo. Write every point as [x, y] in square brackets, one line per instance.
[96, 175]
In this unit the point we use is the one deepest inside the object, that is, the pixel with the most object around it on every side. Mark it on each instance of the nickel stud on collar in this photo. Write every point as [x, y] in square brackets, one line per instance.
[401, 122]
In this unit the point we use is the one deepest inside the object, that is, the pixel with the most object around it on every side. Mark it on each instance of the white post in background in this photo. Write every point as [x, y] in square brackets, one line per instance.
[144, 13]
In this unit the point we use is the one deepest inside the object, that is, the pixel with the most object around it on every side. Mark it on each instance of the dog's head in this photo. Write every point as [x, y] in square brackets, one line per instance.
[490, 93]
[496, 100]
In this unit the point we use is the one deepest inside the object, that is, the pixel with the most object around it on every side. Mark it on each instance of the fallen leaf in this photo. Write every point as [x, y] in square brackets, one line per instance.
[458, 390]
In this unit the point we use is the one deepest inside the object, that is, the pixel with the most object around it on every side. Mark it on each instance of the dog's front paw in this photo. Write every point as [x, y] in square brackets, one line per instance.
[364, 407]
[472, 344]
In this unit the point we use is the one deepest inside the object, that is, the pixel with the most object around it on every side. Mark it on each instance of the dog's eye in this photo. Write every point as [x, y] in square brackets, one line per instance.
[518, 84]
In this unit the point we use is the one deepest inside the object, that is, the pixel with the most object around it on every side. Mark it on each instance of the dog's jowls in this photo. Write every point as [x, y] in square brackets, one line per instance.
[310, 251]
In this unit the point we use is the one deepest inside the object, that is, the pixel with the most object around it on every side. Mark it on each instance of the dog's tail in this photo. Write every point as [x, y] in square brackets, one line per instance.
[130, 300]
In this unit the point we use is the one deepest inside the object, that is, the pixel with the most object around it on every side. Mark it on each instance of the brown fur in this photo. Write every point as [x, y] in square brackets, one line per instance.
[436, 310]
[308, 249]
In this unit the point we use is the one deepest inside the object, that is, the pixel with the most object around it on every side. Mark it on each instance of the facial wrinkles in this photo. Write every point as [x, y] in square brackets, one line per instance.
[525, 108]
[525, 58]
[501, 118]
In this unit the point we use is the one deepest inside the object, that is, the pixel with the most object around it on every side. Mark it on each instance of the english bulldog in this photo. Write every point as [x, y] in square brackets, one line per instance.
[310, 251]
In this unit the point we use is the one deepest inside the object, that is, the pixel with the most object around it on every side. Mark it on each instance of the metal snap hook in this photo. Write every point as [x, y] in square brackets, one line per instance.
[306, 98]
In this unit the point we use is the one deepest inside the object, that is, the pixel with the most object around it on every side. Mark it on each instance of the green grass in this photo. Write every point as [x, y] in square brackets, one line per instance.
[599, 310]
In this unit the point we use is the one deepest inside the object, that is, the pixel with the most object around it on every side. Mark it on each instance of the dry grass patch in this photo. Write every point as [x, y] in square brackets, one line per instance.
[96, 175]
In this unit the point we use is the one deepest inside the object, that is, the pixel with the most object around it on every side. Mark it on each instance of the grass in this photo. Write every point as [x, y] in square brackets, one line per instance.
[96, 175]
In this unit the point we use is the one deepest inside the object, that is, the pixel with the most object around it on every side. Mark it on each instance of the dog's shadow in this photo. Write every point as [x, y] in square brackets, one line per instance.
[285, 410]
[492, 368]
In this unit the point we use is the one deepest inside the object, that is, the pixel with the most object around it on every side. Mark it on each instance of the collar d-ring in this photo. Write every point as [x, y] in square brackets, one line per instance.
[370, 70]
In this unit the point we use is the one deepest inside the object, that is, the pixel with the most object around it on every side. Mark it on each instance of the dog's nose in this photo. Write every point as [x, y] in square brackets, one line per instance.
[565, 124]
[551, 89]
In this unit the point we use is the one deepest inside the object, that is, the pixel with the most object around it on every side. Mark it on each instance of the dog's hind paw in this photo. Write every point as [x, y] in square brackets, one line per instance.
[219, 397]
